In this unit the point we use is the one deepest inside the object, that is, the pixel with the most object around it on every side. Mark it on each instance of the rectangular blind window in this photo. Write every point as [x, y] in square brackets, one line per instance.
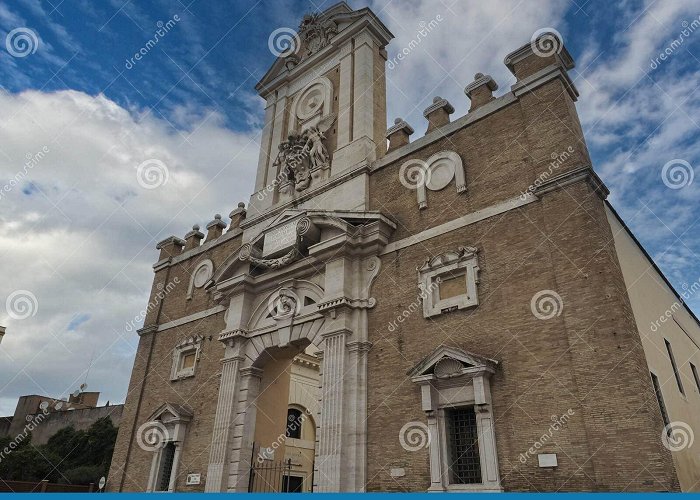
[660, 399]
[674, 366]
[463, 446]
[695, 375]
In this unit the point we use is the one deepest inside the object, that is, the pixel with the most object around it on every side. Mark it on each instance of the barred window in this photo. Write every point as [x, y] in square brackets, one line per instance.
[166, 466]
[463, 446]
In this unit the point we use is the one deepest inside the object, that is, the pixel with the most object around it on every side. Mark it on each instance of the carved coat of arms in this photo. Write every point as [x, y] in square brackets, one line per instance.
[304, 152]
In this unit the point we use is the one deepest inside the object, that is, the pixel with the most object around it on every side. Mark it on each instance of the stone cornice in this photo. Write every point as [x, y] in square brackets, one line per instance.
[583, 173]
[146, 330]
[306, 360]
[545, 75]
[252, 220]
[439, 103]
[169, 240]
[398, 125]
[526, 50]
[347, 302]
[478, 82]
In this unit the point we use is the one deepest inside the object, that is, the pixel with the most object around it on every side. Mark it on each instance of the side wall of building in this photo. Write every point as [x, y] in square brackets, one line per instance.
[661, 317]
[587, 359]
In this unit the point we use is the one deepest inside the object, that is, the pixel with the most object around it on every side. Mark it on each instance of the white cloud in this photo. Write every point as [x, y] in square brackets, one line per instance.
[472, 37]
[79, 231]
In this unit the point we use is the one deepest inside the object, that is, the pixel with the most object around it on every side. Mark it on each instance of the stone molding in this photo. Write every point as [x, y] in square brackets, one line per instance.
[584, 173]
[543, 76]
[190, 318]
[463, 221]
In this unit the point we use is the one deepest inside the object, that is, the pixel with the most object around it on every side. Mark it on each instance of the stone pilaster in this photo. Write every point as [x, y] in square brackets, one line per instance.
[330, 441]
[242, 438]
[223, 421]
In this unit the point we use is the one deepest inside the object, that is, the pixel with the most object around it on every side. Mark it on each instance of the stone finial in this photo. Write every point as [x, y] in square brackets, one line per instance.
[193, 238]
[398, 134]
[237, 216]
[438, 113]
[546, 48]
[170, 247]
[215, 228]
[480, 91]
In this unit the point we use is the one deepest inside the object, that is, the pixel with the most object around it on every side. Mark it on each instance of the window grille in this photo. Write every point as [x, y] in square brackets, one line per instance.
[463, 446]
[166, 466]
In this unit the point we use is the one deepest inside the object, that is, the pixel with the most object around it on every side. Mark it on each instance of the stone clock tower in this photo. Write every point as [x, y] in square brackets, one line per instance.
[398, 315]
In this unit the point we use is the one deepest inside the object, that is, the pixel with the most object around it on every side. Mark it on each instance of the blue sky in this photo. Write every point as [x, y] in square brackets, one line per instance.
[80, 234]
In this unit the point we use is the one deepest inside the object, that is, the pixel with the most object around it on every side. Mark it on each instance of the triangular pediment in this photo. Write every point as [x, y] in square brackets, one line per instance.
[452, 358]
[171, 412]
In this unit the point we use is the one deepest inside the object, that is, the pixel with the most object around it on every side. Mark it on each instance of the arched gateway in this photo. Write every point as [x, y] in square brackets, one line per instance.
[443, 314]
[320, 296]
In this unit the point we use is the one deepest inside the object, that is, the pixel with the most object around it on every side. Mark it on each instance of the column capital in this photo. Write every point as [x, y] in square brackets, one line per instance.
[251, 371]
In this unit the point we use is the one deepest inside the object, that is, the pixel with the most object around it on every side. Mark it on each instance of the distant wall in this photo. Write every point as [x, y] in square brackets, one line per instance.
[55, 421]
[5, 425]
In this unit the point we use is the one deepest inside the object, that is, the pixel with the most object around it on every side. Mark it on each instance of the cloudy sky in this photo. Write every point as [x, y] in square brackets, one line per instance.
[78, 115]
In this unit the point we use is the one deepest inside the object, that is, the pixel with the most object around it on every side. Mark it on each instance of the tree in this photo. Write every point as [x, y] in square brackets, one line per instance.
[69, 456]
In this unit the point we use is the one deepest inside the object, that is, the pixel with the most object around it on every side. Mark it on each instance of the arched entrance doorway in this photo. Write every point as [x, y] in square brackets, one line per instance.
[305, 279]
[285, 424]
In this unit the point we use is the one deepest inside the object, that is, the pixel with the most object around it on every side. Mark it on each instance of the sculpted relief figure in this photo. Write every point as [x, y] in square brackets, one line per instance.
[303, 152]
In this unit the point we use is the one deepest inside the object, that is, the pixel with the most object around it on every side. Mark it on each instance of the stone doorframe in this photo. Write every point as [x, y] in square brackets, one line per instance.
[313, 289]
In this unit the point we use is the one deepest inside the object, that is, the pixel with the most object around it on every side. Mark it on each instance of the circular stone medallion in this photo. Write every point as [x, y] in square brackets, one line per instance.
[440, 175]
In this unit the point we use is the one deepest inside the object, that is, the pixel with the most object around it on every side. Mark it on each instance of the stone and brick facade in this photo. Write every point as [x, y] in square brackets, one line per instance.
[472, 273]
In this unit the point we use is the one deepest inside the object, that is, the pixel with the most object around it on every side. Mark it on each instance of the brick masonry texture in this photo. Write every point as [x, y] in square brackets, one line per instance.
[588, 359]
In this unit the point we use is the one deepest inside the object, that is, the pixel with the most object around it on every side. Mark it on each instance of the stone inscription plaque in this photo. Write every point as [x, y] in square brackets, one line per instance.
[280, 240]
